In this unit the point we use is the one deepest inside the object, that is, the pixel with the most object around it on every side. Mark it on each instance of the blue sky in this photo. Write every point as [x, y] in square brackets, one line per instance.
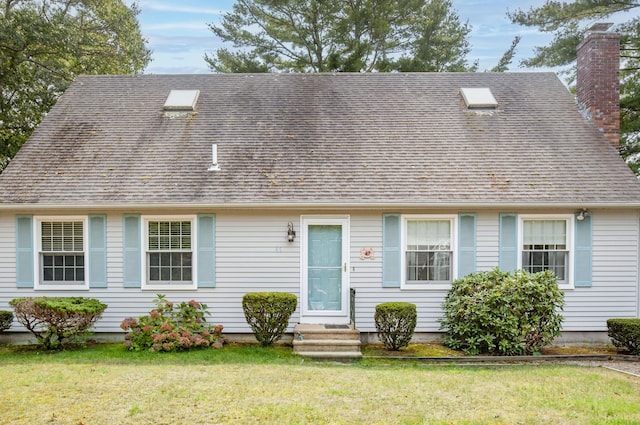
[178, 34]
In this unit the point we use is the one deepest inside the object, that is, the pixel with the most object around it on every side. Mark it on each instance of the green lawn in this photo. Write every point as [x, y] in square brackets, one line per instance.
[104, 384]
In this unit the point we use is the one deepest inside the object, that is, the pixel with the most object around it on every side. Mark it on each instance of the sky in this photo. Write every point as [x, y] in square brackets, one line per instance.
[178, 34]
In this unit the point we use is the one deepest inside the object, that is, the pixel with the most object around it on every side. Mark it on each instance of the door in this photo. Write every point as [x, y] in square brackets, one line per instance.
[325, 270]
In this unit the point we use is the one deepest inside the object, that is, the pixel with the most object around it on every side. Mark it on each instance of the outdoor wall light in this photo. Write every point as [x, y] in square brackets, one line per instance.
[291, 234]
[582, 214]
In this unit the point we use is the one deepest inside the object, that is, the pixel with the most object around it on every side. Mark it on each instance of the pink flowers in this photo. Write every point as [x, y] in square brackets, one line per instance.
[172, 327]
[128, 323]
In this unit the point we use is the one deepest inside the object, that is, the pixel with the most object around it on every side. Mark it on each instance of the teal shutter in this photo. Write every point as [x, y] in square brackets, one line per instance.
[391, 250]
[132, 251]
[466, 244]
[24, 251]
[508, 240]
[97, 251]
[206, 259]
[582, 260]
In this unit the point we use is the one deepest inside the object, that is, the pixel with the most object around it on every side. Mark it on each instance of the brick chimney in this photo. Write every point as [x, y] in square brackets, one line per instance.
[598, 80]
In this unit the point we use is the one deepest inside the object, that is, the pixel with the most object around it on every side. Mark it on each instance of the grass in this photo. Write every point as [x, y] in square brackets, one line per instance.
[105, 384]
[434, 349]
[413, 350]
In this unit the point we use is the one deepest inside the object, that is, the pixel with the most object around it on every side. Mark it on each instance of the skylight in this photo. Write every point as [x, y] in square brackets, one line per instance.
[478, 97]
[181, 100]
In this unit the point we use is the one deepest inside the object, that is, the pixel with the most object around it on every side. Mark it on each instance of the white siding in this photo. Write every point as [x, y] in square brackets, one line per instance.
[252, 254]
[614, 292]
[615, 274]
[7, 259]
[487, 242]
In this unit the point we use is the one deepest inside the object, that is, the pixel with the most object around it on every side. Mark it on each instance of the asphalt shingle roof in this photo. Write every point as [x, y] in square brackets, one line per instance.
[318, 139]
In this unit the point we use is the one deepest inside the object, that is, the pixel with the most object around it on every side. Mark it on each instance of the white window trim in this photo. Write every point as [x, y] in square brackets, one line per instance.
[318, 316]
[37, 243]
[453, 218]
[194, 253]
[569, 218]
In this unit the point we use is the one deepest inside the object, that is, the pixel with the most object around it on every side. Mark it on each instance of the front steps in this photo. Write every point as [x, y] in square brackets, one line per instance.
[337, 342]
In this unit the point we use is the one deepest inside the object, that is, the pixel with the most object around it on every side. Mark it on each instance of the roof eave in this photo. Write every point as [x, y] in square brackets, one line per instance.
[23, 207]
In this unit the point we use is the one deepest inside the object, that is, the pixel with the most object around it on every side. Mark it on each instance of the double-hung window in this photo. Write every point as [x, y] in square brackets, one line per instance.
[169, 252]
[545, 244]
[429, 252]
[61, 252]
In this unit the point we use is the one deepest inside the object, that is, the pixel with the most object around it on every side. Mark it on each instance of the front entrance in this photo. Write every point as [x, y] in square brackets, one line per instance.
[325, 270]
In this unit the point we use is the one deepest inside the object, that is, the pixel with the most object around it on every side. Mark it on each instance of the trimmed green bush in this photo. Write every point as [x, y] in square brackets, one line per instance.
[56, 320]
[268, 314]
[625, 333]
[6, 318]
[502, 313]
[395, 323]
[172, 327]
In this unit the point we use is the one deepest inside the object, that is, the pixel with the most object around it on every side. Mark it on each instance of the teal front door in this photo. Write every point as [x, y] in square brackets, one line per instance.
[325, 272]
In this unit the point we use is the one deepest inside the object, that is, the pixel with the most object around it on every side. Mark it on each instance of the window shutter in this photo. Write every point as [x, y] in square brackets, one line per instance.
[508, 238]
[391, 250]
[132, 251]
[97, 251]
[582, 260]
[466, 244]
[24, 251]
[206, 251]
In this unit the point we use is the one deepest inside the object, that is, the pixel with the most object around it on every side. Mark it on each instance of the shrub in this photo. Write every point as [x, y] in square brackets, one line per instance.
[395, 322]
[625, 333]
[57, 320]
[171, 327]
[6, 318]
[503, 313]
[268, 314]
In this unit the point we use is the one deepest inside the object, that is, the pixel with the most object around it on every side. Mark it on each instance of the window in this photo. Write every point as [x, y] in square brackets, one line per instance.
[480, 97]
[545, 245]
[61, 254]
[169, 252]
[428, 251]
[182, 100]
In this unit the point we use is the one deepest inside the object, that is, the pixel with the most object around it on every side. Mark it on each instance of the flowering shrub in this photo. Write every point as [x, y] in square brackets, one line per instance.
[171, 327]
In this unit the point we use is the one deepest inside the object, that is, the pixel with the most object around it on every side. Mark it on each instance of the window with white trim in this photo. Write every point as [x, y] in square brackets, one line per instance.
[169, 256]
[545, 244]
[61, 254]
[429, 251]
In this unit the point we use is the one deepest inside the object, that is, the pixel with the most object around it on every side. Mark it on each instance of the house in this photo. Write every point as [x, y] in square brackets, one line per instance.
[210, 186]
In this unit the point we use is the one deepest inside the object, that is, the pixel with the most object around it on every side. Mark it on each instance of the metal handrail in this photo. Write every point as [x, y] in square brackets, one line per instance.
[352, 306]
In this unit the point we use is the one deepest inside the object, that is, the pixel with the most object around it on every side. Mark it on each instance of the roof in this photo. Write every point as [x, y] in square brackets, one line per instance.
[318, 140]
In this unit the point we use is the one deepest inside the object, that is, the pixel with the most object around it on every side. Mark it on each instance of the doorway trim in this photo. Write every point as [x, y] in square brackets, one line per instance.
[330, 316]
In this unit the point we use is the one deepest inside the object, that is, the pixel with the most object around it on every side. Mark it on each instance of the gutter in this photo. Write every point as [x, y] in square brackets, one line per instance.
[638, 273]
[395, 206]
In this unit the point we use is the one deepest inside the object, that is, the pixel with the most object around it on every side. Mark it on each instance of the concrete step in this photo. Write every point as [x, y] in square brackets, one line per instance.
[326, 345]
[331, 355]
[327, 341]
[318, 332]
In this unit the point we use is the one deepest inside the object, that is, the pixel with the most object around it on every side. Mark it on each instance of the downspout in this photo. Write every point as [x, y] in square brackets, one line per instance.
[638, 270]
